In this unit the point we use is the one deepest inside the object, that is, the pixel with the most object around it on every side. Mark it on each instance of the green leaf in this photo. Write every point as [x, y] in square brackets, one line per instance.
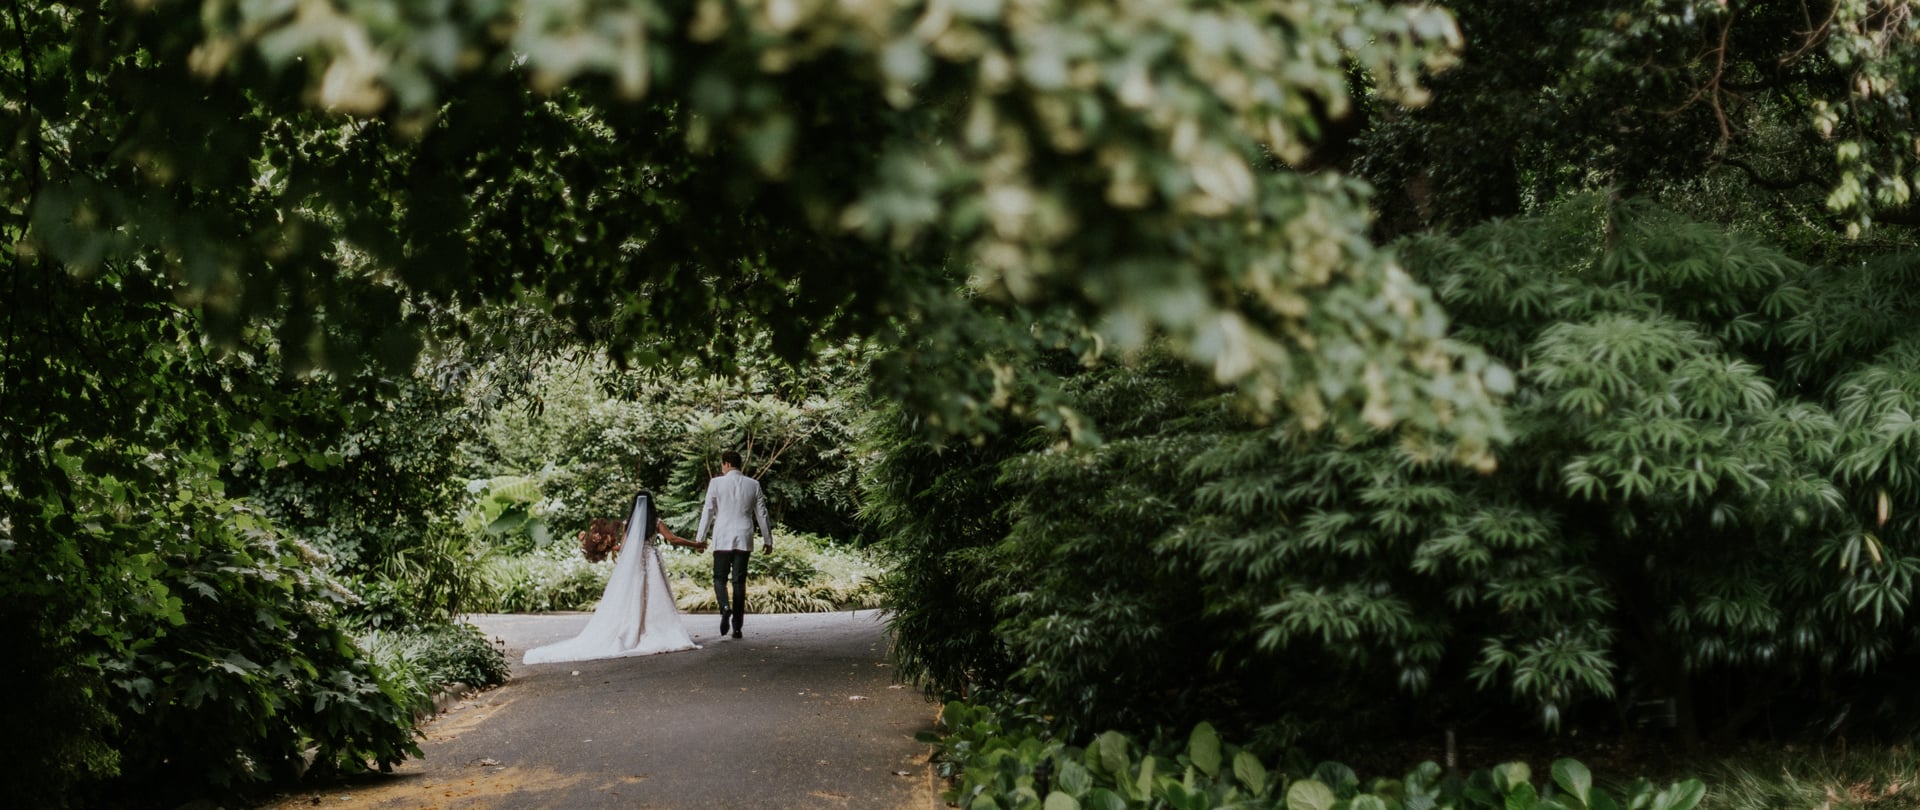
[1204, 747]
[1392, 790]
[1144, 784]
[1424, 777]
[1511, 775]
[1133, 789]
[1639, 795]
[1682, 796]
[1178, 796]
[1060, 800]
[509, 520]
[1522, 797]
[1112, 747]
[1252, 774]
[1104, 799]
[1573, 777]
[1337, 776]
[1310, 794]
[956, 714]
[1367, 802]
[1074, 777]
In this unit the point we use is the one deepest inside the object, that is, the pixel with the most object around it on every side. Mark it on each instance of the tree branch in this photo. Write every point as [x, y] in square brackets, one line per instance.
[1815, 34]
[1714, 86]
[1763, 181]
[1719, 73]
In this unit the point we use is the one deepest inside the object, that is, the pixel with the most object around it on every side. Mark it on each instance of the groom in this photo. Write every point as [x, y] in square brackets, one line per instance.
[733, 508]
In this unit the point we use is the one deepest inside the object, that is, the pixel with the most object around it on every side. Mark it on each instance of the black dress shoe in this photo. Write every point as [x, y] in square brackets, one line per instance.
[723, 624]
[736, 634]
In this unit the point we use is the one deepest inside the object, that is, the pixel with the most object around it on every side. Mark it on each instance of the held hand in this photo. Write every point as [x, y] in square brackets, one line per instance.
[766, 549]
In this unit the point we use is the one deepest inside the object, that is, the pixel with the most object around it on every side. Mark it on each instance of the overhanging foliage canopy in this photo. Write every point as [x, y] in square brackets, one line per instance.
[942, 175]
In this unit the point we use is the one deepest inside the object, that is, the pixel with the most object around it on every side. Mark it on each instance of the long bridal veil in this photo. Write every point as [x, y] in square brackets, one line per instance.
[636, 615]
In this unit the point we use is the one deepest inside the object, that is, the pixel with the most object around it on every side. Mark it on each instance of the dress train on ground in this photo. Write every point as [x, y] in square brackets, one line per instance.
[636, 614]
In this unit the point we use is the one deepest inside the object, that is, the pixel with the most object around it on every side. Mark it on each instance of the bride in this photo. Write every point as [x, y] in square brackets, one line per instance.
[636, 614]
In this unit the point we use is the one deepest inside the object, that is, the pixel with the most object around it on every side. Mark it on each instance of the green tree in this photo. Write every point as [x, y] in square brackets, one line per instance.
[1795, 113]
[598, 434]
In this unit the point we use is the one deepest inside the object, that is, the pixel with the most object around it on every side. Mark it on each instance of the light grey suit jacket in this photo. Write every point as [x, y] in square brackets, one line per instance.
[733, 509]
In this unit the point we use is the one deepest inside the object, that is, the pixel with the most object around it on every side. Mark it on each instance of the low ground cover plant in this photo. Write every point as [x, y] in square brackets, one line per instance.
[422, 660]
[997, 759]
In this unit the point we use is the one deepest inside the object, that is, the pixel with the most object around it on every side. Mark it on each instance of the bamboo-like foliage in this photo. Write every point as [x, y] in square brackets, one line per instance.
[939, 512]
[1703, 506]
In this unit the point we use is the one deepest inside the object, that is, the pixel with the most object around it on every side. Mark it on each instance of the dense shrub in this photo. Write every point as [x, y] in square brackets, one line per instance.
[556, 578]
[1101, 619]
[939, 515]
[784, 565]
[368, 473]
[221, 630]
[1702, 507]
[804, 574]
[151, 590]
[425, 659]
[251, 670]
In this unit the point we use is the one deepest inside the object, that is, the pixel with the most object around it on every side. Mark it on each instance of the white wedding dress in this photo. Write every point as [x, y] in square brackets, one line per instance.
[636, 615]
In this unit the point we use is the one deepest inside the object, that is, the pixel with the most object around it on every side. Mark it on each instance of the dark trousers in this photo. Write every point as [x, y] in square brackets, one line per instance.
[730, 564]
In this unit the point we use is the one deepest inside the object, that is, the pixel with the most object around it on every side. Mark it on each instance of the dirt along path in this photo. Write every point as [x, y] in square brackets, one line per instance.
[801, 713]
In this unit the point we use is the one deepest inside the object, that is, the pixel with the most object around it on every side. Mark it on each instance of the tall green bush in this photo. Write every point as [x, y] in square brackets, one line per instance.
[145, 597]
[1098, 617]
[1704, 507]
[207, 625]
[1673, 511]
[939, 513]
[368, 470]
[1715, 470]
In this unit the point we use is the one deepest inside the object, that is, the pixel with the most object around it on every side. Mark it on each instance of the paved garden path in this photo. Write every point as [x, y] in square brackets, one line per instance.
[802, 713]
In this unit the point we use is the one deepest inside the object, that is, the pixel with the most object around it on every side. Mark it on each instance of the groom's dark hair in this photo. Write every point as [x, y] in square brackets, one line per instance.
[731, 459]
